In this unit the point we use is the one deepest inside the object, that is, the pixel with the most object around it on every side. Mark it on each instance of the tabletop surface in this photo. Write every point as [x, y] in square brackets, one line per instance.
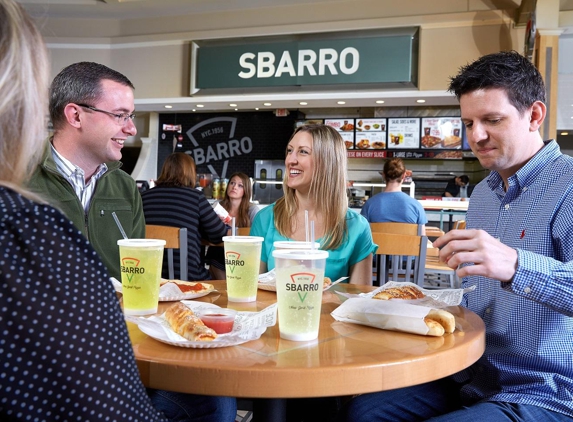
[346, 358]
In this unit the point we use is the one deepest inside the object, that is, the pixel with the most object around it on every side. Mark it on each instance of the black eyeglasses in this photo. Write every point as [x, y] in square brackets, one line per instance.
[120, 119]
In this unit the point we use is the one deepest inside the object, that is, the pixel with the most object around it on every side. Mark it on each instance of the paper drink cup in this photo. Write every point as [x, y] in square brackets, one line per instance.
[242, 263]
[140, 266]
[299, 279]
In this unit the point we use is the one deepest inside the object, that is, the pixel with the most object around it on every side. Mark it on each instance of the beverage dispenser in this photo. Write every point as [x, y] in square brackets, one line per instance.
[268, 180]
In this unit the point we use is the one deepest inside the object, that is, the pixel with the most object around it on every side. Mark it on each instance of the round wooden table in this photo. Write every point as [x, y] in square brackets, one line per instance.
[346, 359]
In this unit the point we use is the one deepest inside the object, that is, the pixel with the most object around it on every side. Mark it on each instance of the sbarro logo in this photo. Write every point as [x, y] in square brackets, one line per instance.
[232, 260]
[302, 283]
[130, 266]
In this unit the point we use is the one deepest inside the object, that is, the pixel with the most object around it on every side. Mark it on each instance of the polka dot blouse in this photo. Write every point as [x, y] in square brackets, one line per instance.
[65, 354]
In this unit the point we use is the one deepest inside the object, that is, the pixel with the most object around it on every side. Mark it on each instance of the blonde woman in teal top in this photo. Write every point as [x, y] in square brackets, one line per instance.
[315, 181]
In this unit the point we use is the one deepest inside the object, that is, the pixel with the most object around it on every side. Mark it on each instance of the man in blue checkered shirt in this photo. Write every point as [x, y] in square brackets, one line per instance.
[517, 250]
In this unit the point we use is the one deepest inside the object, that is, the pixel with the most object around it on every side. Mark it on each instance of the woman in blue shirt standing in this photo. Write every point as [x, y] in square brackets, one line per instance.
[393, 205]
[315, 181]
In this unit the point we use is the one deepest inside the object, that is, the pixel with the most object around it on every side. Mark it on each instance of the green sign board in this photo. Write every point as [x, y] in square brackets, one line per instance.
[367, 60]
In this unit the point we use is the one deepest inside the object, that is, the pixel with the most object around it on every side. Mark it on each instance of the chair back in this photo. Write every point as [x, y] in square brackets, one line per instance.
[460, 225]
[243, 231]
[400, 245]
[397, 228]
[175, 238]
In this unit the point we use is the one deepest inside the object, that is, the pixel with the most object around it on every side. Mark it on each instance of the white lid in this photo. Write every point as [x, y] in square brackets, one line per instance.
[243, 239]
[293, 244]
[305, 254]
[141, 242]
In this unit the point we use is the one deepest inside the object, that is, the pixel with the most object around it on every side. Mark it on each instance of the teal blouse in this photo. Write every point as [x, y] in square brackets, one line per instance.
[354, 249]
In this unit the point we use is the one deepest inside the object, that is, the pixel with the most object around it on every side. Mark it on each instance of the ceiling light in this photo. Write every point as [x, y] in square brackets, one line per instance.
[380, 102]
[232, 105]
[420, 101]
[341, 102]
[168, 106]
[200, 105]
[267, 104]
[236, 109]
[303, 103]
[564, 133]
[193, 110]
[256, 108]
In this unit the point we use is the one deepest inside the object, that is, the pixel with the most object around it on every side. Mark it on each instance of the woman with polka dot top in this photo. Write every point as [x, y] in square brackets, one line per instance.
[64, 349]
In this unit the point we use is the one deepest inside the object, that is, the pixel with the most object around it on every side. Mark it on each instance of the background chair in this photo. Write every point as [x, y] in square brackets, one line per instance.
[436, 271]
[396, 228]
[402, 245]
[175, 238]
[243, 231]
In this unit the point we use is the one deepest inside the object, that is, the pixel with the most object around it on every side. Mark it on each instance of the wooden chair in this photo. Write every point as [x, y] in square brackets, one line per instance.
[438, 269]
[390, 245]
[175, 238]
[396, 228]
[243, 231]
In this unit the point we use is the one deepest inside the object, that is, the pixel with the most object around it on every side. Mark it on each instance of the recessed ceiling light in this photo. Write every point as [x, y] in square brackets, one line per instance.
[236, 109]
[341, 102]
[193, 110]
[420, 101]
[267, 104]
[256, 108]
[232, 105]
[564, 133]
[200, 105]
[168, 106]
[380, 102]
[303, 103]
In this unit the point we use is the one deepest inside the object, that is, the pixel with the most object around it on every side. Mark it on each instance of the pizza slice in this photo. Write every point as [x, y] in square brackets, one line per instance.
[190, 286]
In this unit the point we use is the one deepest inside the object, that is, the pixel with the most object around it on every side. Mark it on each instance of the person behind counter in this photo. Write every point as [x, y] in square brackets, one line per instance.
[394, 205]
[315, 181]
[175, 202]
[237, 202]
[517, 250]
[64, 347]
[459, 187]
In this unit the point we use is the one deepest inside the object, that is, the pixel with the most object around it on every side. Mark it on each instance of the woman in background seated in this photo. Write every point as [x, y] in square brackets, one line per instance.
[64, 347]
[175, 202]
[315, 181]
[394, 205]
[237, 202]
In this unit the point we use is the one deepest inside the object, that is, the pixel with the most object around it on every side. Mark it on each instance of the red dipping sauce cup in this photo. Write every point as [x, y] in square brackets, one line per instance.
[219, 319]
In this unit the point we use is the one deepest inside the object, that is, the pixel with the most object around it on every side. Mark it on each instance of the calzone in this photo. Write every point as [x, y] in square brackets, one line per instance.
[185, 323]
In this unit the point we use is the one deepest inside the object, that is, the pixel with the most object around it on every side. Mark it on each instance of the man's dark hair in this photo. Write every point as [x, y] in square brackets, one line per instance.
[507, 70]
[80, 83]
[464, 179]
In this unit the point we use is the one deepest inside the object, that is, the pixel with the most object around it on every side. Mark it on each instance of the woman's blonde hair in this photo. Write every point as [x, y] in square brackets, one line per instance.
[24, 71]
[178, 170]
[243, 219]
[327, 187]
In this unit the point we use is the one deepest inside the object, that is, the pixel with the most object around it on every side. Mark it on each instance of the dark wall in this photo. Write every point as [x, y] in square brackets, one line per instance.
[225, 143]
